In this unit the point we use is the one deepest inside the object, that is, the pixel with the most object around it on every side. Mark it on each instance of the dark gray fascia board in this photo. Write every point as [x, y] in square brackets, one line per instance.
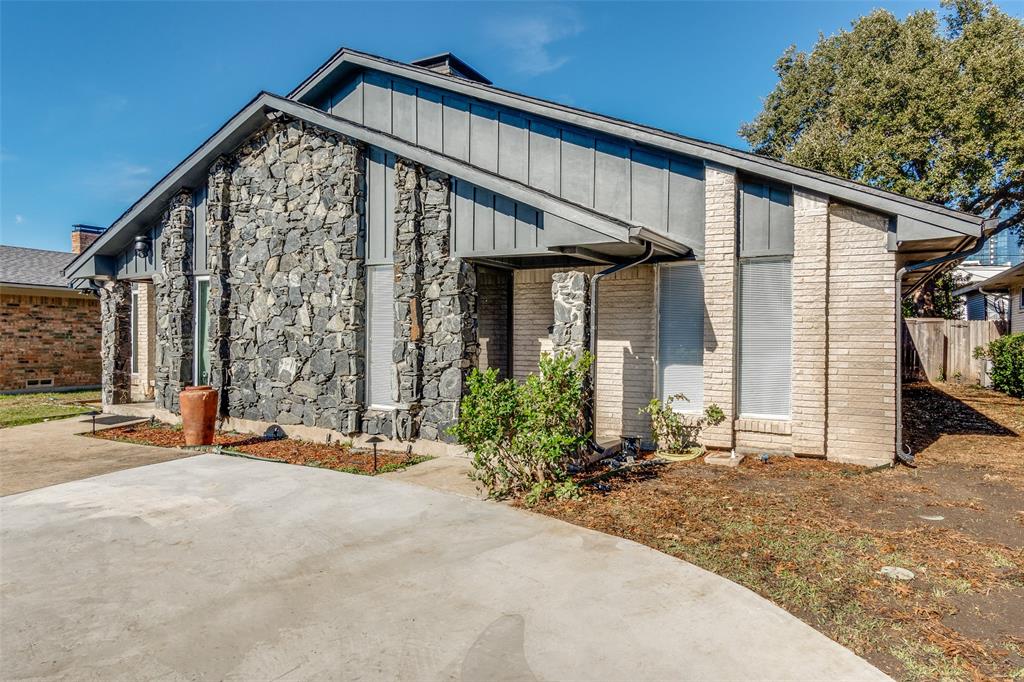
[855, 193]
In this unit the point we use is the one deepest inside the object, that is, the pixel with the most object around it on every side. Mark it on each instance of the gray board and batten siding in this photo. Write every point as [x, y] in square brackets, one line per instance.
[614, 176]
[131, 266]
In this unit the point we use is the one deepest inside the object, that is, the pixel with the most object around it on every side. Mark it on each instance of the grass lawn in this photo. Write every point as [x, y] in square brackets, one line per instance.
[811, 536]
[29, 408]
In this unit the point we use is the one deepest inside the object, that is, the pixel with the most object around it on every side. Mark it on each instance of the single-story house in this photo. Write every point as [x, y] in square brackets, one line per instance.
[980, 302]
[1007, 284]
[49, 333]
[336, 261]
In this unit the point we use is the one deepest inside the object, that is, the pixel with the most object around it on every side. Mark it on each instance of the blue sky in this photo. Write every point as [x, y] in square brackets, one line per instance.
[99, 100]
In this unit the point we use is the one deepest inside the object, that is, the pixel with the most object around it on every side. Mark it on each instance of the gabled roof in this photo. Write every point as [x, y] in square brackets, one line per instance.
[919, 221]
[922, 213]
[33, 267]
[1004, 281]
[191, 173]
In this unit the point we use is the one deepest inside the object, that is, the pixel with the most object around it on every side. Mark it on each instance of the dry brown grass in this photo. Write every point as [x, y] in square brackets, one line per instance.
[811, 536]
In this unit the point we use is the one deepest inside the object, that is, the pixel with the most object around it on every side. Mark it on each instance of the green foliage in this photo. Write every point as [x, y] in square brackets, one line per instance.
[1007, 356]
[676, 432]
[522, 435]
[934, 112]
[937, 300]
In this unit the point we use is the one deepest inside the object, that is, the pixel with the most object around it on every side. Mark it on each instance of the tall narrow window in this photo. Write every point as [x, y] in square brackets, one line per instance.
[765, 338]
[380, 335]
[135, 328]
[681, 334]
[202, 345]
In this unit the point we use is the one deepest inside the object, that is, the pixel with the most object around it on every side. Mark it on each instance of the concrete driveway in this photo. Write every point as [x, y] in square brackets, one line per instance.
[48, 453]
[214, 568]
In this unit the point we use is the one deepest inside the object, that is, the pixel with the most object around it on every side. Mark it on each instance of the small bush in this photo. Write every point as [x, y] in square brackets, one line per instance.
[522, 435]
[676, 432]
[1007, 356]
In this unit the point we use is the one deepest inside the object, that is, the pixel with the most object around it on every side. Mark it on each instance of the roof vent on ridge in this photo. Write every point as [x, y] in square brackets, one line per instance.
[450, 65]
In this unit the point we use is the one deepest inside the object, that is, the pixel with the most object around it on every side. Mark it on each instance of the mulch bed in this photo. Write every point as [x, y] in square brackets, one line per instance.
[811, 536]
[338, 456]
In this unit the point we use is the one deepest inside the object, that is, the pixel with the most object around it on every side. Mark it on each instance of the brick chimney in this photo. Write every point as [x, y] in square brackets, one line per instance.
[84, 235]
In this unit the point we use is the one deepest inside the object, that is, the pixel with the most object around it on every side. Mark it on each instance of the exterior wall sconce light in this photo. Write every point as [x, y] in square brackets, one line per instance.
[143, 245]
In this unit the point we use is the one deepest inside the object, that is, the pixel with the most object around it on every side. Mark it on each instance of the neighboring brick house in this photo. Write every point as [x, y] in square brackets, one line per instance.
[49, 333]
[337, 260]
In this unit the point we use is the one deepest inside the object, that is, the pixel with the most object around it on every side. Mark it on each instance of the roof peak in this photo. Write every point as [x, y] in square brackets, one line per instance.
[448, 64]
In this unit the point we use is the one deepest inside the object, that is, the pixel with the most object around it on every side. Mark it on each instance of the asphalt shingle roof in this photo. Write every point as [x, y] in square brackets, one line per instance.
[34, 267]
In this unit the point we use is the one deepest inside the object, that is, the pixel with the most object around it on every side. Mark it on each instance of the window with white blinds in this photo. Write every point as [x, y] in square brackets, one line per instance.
[765, 338]
[380, 334]
[681, 334]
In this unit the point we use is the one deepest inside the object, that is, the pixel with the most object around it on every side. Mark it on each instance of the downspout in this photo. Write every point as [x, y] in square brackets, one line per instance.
[594, 282]
[903, 453]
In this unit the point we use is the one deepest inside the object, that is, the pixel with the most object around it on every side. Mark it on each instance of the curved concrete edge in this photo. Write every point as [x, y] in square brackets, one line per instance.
[216, 566]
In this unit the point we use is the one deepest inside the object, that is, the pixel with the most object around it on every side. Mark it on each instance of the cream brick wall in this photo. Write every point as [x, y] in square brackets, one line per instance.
[145, 347]
[626, 351]
[719, 298]
[532, 313]
[625, 341]
[810, 297]
[861, 338]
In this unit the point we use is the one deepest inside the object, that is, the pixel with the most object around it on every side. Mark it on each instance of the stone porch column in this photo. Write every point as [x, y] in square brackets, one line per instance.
[218, 229]
[408, 256]
[173, 292]
[720, 187]
[571, 330]
[450, 329]
[810, 321]
[116, 341]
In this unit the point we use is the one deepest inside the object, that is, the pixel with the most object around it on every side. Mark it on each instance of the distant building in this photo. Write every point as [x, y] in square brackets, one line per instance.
[1009, 283]
[1002, 249]
[49, 333]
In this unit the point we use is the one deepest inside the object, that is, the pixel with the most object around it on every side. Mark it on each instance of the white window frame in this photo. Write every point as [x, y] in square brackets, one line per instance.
[658, 384]
[195, 326]
[738, 345]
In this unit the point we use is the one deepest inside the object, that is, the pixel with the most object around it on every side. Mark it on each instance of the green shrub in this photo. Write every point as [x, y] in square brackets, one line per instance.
[1007, 356]
[676, 432]
[522, 435]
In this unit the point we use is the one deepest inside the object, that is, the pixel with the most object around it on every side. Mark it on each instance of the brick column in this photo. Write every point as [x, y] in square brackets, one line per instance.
[571, 330]
[861, 338]
[810, 328]
[116, 341]
[719, 299]
[174, 283]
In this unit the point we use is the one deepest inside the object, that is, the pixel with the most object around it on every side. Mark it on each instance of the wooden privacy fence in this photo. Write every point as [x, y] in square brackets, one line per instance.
[943, 350]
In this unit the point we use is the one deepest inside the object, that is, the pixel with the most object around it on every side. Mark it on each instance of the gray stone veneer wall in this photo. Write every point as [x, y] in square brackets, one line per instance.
[218, 233]
[173, 286]
[116, 341]
[571, 331]
[450, 346]
[435, 311]
[294, 283]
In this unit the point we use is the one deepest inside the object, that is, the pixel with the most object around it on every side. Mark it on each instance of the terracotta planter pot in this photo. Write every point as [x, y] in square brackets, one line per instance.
[198, 414]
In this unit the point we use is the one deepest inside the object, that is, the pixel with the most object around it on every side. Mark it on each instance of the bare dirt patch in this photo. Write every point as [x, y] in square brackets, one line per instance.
[337, 456]
[812, 536]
